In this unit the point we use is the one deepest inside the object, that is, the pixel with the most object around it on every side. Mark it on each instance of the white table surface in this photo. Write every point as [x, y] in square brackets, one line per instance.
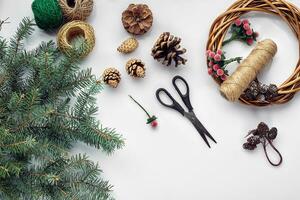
[172, 162]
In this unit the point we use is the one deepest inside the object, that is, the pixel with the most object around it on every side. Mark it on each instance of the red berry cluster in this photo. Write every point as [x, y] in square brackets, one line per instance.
[241, 30]
[216, 64]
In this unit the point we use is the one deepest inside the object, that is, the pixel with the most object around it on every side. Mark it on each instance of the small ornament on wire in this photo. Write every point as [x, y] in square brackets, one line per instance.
[241, 30]
[152, 120]
[265, 136]
[3, 22]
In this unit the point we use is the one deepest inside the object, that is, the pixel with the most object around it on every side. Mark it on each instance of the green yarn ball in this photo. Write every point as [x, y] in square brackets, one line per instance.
[47, 14]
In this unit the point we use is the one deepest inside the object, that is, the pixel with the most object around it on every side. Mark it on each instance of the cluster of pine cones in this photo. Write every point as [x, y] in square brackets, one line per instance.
[260, 135]
[134, 67]
[260, 92]
[137, 19]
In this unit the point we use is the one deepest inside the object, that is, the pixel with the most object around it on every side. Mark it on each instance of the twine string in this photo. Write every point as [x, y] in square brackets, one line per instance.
[76, 9]
[73, 29]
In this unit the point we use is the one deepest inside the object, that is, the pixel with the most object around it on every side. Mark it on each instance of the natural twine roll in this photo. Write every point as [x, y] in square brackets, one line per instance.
[76, 9]
[72, 30]
[247, 71]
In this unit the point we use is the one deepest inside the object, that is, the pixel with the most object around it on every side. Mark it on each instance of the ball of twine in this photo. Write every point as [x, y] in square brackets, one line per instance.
[47, 14]
[75, 29]
[76, 9]
[248, 70]
[285, 10]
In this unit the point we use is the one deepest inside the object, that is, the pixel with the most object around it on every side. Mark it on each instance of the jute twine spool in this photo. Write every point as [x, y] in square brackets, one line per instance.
[72, 30]
[281, 8]
[247, 71]
[76, 9]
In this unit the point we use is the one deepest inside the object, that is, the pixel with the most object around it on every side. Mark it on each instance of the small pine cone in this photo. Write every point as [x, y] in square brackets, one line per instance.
[136, 68]
[128, 45]
[167, 49]
[253, 140]
[262, 129]
[112, 77]
[272, 133]
[248, 146]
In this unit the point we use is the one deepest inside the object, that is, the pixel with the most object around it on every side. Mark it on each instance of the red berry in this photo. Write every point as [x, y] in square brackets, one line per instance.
[217, 57]
[224, 77]
[238, 22]
[210, 71]
[249, 32]
[212, 54]
[208, 52]
[250, 41]
[220, 72]
[216, 67]
[245, 21]
[246, 27]
[154, 124]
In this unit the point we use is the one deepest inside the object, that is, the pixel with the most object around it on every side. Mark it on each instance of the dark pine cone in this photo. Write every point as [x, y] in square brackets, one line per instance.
[249, 146]
[253, 140]
[167, 49]
[112, 77]
[272, 134]
[262, 129]
[260, 92]
[136, 68]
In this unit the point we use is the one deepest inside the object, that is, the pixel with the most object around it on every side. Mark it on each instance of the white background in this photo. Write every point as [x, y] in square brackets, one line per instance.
[172, 162]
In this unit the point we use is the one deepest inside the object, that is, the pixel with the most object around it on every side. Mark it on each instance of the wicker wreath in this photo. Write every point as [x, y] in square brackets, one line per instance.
[287, 11]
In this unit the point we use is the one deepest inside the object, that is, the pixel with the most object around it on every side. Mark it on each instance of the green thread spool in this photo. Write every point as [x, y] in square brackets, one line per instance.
[47, 14]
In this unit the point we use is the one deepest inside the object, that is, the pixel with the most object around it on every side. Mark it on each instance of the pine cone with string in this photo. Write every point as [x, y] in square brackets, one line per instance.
[112, 77]
[136, 68]
[167, 50]
[137, 19]
[128, 45]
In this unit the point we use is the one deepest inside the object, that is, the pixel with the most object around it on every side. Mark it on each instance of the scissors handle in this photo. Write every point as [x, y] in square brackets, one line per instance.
[185, 97]
[175, 105]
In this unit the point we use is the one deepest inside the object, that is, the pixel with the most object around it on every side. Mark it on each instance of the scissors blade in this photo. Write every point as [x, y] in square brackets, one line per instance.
[200, 128]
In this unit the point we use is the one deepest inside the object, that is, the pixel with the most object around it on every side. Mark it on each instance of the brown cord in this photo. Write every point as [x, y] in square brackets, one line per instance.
[276, 150]
[72, 30]
[287, 11]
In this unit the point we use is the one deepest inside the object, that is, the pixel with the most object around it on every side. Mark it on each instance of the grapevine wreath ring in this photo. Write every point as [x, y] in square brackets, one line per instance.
[288, 12]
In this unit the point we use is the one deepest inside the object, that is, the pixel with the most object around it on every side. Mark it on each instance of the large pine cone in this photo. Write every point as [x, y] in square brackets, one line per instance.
[167, 49]
[137, 19]
[136, 68]
[112, 77]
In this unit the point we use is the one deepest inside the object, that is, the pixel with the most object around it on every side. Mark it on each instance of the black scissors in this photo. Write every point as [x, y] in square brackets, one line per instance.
[186, 100]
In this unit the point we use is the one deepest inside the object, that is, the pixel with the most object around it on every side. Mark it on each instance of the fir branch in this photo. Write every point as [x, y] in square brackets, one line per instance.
[47, 104]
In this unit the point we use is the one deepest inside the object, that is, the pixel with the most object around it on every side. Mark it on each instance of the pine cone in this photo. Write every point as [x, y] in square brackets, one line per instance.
[167, 49]
[128, 45]
[136, 68]
[112, 77]
[137, 19]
